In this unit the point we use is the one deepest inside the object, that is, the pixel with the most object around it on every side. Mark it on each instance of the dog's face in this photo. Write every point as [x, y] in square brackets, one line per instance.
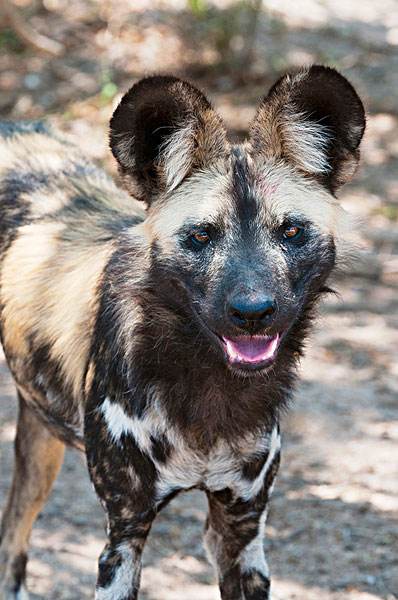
[243, 236]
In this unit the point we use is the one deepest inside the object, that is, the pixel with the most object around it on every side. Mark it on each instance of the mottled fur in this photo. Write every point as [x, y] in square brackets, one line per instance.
[113, 318]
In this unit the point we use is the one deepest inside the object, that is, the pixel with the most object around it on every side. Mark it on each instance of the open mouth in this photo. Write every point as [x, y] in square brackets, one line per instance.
[248, 351]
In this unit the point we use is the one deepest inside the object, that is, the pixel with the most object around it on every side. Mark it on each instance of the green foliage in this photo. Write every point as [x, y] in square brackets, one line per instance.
[108, 90]
[390, 211]
[10, 42]
[230, 31]
[108, 87]
[198, 7]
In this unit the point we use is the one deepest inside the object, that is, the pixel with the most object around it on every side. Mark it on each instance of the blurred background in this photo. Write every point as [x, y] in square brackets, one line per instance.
[333, 526]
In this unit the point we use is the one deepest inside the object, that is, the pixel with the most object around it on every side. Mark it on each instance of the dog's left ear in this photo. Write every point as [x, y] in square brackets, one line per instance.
[315, 120]
[162, 131]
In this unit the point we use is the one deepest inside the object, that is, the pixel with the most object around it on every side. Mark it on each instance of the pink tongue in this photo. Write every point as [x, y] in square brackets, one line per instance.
[251, 349]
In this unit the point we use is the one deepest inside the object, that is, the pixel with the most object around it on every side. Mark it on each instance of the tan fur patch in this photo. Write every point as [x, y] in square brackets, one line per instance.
[49, 154]
[202, 198]
[22, 265]
[49, 289]
[39, 457]
[42, 154]
[286, 192]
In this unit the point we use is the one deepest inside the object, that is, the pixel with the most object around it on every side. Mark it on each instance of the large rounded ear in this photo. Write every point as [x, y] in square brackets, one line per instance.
[315, 120]
[162, 130]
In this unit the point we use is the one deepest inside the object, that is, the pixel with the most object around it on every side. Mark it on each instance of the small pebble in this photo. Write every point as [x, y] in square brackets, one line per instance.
[32, 81]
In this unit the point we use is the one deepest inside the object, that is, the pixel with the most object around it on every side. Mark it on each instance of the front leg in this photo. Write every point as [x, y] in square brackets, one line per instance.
[119, 566]
[124, 477]
[235, 531]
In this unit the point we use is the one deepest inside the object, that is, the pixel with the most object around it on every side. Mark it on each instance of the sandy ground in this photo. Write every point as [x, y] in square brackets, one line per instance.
[333, 527]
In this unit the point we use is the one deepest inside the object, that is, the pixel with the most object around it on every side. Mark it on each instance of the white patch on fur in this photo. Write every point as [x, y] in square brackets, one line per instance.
[124, 148]
[253, 556]
[223, 468]
[249, 489]
[216, 470]
[307, 142]
[151, 423]
[118, 423]
[126, 577]
[182, 470]
[186, 468]
[176, 155]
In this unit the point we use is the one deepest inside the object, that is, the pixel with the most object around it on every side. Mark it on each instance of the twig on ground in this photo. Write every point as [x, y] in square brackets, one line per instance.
[26, 33]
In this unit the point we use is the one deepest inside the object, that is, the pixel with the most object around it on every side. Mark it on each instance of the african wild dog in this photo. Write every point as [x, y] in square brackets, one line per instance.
[164, 341]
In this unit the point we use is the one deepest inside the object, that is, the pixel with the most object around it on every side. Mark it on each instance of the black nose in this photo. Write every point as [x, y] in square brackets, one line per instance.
[251, 315]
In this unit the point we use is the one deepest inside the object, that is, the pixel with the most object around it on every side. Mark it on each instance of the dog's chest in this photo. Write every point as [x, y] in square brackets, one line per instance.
[179, 465]
[214, 469]
[239, 466]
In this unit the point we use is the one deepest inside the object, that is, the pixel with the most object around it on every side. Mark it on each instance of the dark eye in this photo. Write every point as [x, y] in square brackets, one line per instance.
[200, 238]
[293, 232]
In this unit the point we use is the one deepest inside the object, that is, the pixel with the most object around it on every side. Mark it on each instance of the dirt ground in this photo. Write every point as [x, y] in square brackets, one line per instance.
[333, 527]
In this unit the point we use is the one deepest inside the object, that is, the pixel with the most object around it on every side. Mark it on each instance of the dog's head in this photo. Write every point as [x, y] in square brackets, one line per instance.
[243, 236]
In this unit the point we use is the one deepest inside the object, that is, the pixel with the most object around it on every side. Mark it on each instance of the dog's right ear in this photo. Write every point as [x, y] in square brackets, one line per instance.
[314, 120]
[163, 129]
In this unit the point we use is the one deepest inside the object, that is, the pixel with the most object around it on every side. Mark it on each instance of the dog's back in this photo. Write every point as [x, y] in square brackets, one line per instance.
[58, 216]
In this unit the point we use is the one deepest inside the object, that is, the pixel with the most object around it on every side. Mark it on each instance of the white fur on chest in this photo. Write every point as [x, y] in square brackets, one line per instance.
[218, 468]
